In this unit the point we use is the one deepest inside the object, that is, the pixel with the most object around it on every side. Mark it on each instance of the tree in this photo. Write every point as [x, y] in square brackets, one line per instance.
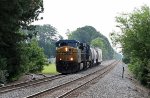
[98, 42]
[107, 52]
[47, 37]
[88, 34]
[3, 71]
[135, 42]
[84, 34]
[15, 14]
[32, 58]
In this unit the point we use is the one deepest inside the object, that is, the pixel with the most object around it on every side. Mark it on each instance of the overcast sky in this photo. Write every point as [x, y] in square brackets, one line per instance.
[72, 14]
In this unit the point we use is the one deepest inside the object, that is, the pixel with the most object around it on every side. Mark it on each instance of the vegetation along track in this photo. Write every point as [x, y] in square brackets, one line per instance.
[66, 89]
[12, 87]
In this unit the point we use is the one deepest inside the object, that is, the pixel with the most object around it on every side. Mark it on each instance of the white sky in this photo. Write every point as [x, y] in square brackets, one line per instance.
[72, 14]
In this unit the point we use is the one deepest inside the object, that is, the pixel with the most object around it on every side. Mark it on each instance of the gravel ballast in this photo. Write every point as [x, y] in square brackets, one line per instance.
[114, 86]
[21, 93]
[111, 85]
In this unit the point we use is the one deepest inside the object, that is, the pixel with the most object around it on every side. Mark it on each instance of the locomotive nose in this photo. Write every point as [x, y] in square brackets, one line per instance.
[67, 53]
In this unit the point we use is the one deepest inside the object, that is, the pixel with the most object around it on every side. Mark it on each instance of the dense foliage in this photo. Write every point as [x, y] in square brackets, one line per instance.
[85, 34]
[135, 41]
[47, 37]
[88, 34]
[15, 14]
[32, 57]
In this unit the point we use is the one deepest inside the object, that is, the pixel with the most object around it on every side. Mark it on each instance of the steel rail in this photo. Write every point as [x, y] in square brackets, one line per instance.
[50, 90]
[67, 94]
[9, 88]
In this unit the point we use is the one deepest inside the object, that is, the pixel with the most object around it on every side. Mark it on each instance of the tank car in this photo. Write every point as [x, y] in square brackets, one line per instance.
[98, 56]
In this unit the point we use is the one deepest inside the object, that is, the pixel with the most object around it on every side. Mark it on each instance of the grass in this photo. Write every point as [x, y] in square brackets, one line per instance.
[50, 69]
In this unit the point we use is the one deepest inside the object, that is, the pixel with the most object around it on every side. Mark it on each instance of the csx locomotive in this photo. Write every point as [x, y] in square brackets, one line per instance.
[73, 56]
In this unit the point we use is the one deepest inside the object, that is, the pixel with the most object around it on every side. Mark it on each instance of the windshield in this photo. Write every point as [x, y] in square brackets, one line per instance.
[72, 44]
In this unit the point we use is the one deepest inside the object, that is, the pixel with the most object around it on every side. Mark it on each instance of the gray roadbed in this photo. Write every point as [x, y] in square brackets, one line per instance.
[114, 86]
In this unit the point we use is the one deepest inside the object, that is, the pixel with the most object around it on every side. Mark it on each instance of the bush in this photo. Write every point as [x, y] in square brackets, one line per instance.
[3, 71]
[140, 70]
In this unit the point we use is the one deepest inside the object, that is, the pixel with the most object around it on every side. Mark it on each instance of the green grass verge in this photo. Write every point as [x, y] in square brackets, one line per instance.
[50, 69]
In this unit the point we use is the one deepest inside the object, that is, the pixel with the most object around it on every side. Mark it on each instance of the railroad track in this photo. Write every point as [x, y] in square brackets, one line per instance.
[16, 86]
[66, 89]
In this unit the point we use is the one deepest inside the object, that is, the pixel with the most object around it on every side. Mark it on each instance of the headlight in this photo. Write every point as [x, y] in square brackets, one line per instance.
[71, 58]
[66, 49]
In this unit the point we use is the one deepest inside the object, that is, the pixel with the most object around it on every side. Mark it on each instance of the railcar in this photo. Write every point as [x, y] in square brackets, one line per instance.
[98, 56]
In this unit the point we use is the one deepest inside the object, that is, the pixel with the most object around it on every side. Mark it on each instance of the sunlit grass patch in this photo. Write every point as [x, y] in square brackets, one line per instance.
[50, 69]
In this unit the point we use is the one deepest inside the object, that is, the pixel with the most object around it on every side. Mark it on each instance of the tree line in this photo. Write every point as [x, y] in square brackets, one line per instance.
[134, 39]
[46, 36]
[18, 52]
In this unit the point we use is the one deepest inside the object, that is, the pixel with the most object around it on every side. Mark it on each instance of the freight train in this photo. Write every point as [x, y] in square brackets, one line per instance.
[73, 56]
